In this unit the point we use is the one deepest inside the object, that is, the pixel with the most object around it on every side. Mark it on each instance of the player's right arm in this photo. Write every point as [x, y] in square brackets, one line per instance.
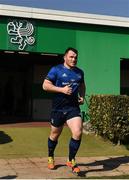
[49, 86]
[50, 81]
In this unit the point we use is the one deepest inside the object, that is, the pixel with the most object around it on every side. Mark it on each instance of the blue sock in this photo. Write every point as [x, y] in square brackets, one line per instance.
[51, 147]
[73, 148]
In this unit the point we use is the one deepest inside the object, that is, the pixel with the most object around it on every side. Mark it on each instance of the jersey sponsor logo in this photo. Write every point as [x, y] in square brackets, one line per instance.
[21, 33]
[72, 80]
[65, 83]
[70, 84]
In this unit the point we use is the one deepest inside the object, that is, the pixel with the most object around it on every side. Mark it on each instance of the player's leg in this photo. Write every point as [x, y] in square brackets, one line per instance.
[52, 142]
[53, 139]
[56, 129]
[75, 125]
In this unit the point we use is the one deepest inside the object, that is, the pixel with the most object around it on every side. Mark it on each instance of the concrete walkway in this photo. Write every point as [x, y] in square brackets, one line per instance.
[36, 168]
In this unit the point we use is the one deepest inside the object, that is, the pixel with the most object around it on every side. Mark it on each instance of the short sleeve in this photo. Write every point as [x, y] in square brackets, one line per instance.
[51, 74]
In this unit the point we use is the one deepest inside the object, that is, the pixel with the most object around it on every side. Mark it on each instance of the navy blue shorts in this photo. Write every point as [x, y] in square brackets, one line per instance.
[58, 118]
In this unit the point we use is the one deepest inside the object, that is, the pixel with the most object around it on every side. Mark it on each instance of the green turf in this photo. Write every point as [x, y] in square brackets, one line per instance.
[30, 142]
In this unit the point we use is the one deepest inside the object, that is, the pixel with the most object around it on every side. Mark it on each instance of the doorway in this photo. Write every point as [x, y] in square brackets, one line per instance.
[124, 76]
[21, 76]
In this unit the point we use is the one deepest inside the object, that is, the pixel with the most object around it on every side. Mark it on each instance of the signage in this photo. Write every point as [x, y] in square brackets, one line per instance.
[21, 33]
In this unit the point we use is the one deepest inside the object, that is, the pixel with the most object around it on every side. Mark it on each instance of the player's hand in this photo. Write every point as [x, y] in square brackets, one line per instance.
[81, 100]
[67, 90]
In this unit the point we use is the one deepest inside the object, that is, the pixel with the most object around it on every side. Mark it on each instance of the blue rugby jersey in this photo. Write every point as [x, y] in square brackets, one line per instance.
[61, 76]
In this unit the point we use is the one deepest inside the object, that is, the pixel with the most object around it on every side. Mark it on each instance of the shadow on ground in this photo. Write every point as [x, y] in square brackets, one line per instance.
[106, 165]
[8, 177]
[4, 138]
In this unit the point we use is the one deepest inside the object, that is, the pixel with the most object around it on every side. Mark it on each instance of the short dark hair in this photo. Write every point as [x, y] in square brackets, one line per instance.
[71, 49]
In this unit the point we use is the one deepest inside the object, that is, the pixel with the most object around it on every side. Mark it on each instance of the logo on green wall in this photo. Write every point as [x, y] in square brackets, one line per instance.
[21, 33]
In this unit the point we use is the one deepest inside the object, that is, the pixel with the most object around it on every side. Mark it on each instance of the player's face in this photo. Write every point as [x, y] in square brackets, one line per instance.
[70, 59]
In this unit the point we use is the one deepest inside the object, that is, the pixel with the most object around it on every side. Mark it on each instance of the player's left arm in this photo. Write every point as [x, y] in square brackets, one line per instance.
[81, 92]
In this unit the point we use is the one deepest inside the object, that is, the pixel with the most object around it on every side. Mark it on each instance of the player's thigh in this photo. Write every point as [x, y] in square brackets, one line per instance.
[75, 124]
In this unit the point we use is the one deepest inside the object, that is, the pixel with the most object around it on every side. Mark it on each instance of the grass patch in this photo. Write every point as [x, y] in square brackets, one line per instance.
[32, 142]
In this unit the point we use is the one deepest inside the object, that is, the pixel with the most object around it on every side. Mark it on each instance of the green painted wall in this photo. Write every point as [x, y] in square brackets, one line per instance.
[54, 37]
[3, 34]
[100, 49]
[100, 52]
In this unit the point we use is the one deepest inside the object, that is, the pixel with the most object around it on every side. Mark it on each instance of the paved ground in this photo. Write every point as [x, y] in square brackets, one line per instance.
[35, 168]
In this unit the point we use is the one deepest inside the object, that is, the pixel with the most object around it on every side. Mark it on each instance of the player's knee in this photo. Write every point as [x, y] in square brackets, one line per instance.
[54, 135]
[77, 134]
